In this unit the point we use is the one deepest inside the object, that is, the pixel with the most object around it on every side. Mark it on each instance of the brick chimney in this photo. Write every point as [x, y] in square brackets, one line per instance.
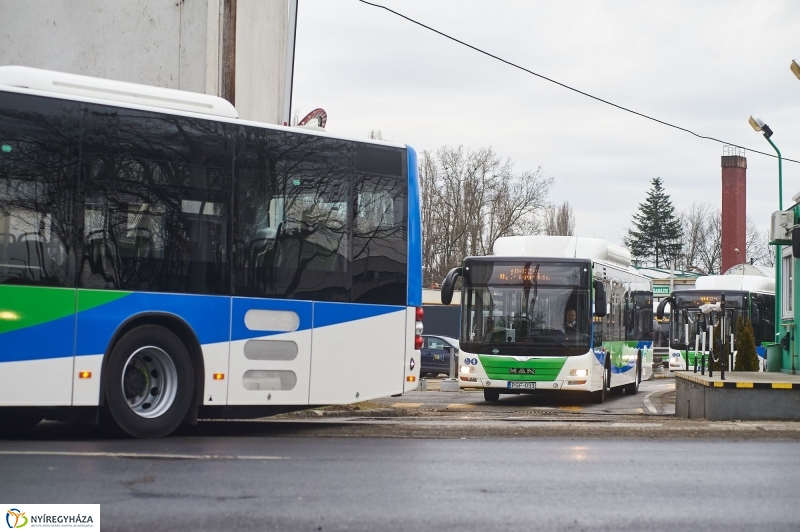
[734, 210]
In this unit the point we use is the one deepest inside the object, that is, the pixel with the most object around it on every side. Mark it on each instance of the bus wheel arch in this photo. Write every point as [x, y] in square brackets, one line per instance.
[184, 334]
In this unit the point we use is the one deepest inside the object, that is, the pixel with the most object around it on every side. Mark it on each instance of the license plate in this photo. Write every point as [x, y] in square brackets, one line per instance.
[523, 385]
[437, 357]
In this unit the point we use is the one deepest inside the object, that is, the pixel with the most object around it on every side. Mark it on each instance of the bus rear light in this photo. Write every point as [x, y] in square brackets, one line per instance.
[85, 375]
[420, 313]
[418, 328]
[418, 342]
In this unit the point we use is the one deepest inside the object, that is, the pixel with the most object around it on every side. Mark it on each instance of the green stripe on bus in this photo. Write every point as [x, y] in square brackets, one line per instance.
[546, 369]
[27, 306]
[89, 299]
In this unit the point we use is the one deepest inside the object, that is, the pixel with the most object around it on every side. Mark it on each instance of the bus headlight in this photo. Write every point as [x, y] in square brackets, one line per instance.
[467, 369]
[579, 372]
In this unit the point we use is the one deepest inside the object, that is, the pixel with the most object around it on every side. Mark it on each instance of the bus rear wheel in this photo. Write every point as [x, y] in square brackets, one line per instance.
[490, 394]
[149, 384]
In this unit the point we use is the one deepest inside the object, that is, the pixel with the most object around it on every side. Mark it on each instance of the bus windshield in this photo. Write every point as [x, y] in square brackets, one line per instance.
[523, 306]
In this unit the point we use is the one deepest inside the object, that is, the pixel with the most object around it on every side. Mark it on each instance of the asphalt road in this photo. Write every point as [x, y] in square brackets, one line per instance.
[427, 460]
[383, 484]
[654, 398]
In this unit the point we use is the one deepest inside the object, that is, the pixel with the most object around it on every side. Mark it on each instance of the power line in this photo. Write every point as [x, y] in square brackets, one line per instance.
[573, 89]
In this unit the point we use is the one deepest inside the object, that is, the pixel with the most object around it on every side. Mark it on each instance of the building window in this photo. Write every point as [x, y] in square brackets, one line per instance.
[787, 289]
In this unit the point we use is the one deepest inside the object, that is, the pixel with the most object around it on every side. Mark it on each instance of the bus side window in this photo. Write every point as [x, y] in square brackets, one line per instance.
[38, 180]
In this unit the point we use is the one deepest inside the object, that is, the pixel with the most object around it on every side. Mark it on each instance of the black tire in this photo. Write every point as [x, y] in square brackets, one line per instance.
[19, 419]
[149, 382]
[599, 396]
[633, 388]
[491, 394]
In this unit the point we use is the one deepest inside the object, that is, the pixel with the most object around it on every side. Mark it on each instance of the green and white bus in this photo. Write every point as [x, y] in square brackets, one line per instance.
[749, 294]
[518, 332]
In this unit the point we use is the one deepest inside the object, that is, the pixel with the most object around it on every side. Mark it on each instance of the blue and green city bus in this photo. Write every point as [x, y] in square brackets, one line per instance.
[162, 260]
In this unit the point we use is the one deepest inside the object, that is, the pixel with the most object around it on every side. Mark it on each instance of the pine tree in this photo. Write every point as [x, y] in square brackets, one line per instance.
[656, 234]
[746, 358]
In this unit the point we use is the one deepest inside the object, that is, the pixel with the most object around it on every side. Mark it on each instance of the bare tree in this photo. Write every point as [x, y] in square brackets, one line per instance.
[711, 253]
[758, 249]
[559, 220]
[702, 243]
[694, 222]
[469, 200]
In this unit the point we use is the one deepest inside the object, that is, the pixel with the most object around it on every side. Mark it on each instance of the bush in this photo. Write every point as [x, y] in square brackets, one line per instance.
[746, 358]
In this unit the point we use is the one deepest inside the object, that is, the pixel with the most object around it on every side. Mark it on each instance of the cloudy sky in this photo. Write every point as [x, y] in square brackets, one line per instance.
[702, 65]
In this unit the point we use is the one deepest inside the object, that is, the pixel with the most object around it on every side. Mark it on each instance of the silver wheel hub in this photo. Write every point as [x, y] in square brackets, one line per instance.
[149, 382]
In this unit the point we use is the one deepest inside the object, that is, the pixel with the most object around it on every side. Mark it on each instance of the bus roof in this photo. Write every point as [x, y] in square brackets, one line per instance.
[563, 247]
[117, 91]
[751, 283]
[90, 89]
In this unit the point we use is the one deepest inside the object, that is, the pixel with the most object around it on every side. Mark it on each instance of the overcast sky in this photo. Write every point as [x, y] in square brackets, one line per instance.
[702, 65]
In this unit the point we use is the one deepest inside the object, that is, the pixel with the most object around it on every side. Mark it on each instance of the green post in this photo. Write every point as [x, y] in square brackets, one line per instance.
[778, 292]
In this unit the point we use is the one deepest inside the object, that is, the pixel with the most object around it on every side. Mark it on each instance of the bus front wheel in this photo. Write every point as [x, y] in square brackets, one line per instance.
[149, 384]
[491, 395]
[633, 388]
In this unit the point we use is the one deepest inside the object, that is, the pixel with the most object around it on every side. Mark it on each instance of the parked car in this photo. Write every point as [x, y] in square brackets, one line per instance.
[436, 354]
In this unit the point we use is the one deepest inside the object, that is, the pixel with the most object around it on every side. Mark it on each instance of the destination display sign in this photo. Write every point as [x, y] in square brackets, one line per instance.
[533, 273]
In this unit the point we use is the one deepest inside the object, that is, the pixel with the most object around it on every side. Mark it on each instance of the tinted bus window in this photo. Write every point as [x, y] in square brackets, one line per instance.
[155, 210]
[38, 177]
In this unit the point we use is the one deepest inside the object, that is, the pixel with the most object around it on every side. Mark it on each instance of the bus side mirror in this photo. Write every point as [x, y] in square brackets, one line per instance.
[600, 306]
[448, 284]
[796, 242]
[661, 307]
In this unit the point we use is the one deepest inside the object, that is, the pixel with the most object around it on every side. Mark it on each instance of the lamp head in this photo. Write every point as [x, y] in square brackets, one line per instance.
[795, 68]
[760, 125]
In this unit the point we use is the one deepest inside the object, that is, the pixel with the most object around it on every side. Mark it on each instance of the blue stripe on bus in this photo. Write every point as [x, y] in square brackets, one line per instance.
[52, 339]
[208, 316]
[414, 290]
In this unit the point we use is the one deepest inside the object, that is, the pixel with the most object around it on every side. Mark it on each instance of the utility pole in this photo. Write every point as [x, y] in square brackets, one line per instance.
[228, 85]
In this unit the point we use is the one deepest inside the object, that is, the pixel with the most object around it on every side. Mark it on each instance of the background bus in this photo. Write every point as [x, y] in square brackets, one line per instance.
[163, 260]
[514, 305]
[748, 296]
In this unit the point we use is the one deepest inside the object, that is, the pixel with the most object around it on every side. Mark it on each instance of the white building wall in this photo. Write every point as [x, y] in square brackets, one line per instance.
[167, 43]
[261, 59]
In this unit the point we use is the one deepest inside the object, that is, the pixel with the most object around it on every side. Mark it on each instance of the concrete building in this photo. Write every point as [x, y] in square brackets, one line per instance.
[240, 50]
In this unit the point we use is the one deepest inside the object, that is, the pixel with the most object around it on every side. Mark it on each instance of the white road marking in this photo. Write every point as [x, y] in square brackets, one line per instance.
[143, 455]
[649, 405]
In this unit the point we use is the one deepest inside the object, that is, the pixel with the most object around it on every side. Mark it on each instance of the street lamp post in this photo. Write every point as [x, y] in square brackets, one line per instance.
[760, 125]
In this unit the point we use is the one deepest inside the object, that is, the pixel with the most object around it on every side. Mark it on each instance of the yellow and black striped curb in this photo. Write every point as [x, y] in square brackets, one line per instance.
[742, 384]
